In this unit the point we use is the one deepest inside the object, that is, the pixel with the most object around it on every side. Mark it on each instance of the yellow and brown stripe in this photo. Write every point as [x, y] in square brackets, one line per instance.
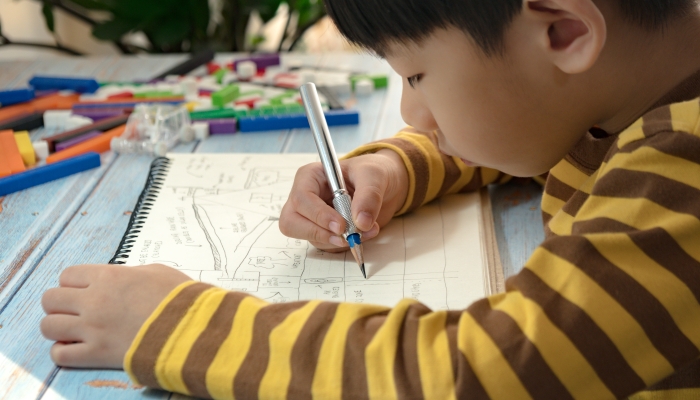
[607, 306]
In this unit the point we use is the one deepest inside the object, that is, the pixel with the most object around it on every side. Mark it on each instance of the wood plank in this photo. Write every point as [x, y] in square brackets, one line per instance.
[518, 221]
[34, 218]
[91, 236]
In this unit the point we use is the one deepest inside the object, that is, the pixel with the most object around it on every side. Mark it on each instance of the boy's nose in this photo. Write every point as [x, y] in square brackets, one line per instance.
[415, 113]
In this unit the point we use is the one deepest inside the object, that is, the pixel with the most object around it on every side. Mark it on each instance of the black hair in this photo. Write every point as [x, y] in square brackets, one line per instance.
[374, 24]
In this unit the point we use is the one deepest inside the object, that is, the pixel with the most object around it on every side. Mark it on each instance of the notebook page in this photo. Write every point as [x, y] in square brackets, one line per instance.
[216, 218]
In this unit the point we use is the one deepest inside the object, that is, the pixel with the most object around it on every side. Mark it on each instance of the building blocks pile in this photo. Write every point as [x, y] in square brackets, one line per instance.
[245, 94]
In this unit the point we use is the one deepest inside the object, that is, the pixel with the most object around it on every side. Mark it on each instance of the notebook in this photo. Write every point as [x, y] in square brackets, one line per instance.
[215, 217]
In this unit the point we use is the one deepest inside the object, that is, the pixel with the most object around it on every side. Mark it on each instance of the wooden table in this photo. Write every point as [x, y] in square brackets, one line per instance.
[80, 219]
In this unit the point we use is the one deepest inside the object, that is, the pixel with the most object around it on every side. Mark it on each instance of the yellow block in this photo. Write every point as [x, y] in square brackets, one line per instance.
[26, 150]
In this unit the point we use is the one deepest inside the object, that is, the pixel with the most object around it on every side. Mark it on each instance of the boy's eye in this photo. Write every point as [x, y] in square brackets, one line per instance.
[412, 80]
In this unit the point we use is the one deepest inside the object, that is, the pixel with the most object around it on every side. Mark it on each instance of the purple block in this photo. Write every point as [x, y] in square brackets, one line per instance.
[72, 142]
[221, 125]
[98, 114]
[262, 61]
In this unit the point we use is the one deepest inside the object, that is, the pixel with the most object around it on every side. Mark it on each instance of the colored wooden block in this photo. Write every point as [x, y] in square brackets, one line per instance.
[47, 173]
[153, 94]
[104, 125]
[10, 152]
[26, 150]
[80, 85]
[219, 75]
[97, 144]
[262, 61]
[24, 122]
[379, 80]
[76, 140]
[224, 96]
[213, 114]
[14, 96]
[221, 126]
[277, 122]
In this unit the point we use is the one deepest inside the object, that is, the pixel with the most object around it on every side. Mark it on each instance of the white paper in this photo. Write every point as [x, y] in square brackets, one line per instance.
[216, 219]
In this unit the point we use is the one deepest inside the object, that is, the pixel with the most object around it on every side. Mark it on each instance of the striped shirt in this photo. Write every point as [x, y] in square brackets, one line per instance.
[606, 307]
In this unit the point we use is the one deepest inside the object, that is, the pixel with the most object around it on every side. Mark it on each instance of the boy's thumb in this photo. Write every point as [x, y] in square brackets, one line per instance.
[366, 203]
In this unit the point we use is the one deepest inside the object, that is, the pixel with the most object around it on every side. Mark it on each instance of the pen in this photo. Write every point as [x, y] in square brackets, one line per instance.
[324, 144]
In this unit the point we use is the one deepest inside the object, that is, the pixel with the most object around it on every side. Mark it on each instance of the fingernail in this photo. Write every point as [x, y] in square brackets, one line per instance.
[364, 220]
[336, 241]
[372, 232]
[334, 227]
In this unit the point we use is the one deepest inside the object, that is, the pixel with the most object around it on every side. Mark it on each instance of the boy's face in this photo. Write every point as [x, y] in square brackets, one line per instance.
[506, 112]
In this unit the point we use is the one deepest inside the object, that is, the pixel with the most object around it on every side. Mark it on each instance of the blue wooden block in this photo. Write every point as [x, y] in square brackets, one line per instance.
[48, 173]
[9, 97]
[277, 122]
[80, 85]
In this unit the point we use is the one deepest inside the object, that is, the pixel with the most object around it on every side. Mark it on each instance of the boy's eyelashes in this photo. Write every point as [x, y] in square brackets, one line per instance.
[412, 80]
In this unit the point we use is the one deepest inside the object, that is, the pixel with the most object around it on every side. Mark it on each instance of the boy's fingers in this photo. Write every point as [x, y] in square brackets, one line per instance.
[295, 225]
[317, 211]
[63, 300]
[79, 355]
[62, 328]
[367, 199]
[77, 276]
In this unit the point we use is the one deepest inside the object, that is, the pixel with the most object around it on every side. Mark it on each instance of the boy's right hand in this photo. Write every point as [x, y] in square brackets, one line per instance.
[377, 183]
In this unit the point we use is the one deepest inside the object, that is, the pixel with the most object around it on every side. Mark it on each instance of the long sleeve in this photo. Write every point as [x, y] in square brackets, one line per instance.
[431, 174]
[607, 305]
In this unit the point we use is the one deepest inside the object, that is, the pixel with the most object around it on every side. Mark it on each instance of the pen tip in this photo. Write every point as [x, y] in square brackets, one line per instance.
[362, 268]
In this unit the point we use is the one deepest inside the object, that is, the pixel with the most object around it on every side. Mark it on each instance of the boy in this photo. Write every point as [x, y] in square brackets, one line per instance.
[602, 94]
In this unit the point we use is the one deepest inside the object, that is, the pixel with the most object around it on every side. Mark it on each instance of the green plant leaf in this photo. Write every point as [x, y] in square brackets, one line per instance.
[309, 11]
[169, 31]
[47, 10]
[114, 29]
[93, 4]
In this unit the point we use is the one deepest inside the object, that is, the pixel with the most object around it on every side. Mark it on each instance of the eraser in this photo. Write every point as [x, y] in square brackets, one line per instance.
[56, 119]
[201, 130]
[41, 149]
[77, 121]
[364, 87]
[246, 69]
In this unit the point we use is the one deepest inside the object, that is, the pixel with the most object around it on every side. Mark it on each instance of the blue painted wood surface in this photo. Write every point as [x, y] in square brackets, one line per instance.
[81, 219]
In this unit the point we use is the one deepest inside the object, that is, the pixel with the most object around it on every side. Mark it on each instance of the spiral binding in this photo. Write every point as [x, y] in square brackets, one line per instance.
[154, 182]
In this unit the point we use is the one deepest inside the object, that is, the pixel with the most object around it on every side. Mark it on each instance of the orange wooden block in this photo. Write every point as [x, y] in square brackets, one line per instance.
[50, 102]
[97, 144]
[10, 152]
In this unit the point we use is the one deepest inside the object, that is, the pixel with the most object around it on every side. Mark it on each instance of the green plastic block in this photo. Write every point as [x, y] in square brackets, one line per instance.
[242, 113]
[380, 81]
[225, 95]
[219, 75]
[252, 92]
[295, 109]
[153, 94]
[213, 114]
[255, 112]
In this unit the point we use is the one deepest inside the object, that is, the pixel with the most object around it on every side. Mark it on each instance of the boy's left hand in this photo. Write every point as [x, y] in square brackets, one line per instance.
[96, 312]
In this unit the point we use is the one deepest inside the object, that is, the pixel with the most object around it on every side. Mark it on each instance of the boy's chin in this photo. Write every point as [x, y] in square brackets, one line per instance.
[469, 163]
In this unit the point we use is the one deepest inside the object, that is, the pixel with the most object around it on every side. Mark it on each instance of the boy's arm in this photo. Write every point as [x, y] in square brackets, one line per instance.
[431, 173]
[601, 312]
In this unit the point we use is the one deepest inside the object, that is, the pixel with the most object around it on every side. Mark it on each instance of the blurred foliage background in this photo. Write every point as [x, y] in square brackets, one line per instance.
[186, 25]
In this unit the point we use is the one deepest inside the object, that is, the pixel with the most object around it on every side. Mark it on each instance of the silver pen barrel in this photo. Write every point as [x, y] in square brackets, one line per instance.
[322, 136]
[324, 144]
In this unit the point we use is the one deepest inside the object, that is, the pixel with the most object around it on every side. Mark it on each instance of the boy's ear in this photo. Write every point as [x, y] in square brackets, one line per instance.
[575, 31]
